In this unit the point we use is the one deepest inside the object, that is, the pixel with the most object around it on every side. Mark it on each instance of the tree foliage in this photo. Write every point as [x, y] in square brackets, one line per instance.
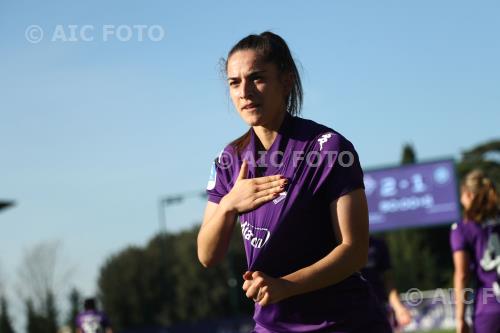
[5, 319]
[75, 299]
[41, 275]
[163, 283]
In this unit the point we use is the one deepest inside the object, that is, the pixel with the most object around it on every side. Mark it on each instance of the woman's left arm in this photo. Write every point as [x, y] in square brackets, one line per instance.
[350, 222]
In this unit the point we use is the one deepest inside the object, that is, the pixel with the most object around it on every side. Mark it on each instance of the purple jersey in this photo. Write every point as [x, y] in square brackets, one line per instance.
[378, 263]
[92, 321]
[295, 229]
[482, 243]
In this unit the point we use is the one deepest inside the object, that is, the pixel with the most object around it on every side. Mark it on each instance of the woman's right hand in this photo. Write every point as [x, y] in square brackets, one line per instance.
[248, 194]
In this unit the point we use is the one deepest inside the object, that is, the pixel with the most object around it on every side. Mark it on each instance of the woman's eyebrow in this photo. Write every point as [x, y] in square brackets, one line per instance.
[252, 73]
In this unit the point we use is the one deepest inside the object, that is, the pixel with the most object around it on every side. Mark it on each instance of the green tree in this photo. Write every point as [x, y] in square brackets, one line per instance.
[164, 283]
[75, 300]
[5, 320]
[44, 319]
[50, 313]
[408, 156]
[34, 322]
[485, 156]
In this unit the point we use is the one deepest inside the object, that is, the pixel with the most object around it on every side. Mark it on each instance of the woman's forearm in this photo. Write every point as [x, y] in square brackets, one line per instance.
[339, 264]
[215, 234]
[394, 300]
[460, 282]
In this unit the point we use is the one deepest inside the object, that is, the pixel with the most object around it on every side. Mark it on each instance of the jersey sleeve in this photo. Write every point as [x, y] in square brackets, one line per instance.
[340, 170]
[458, 241]
[220, 175]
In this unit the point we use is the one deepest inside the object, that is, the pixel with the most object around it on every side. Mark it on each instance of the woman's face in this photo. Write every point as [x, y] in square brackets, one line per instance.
[466, 198]
[256, 89]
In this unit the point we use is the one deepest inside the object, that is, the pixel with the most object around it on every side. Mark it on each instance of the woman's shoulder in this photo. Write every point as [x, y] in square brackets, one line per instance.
[323, 136]
[227, 157]
[310, 127]
[465, 226]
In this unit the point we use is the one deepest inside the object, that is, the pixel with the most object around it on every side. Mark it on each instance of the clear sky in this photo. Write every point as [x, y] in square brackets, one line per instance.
[92, 133]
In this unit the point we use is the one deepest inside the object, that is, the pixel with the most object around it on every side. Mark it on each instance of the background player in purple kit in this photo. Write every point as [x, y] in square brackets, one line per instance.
[378, 272]
[296, 189]
[90, 320]
[475, 243]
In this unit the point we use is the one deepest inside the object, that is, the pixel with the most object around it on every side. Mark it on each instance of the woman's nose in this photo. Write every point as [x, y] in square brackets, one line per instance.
[246, 89]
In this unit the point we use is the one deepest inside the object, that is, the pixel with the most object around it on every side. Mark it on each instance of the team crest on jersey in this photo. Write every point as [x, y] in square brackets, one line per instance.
[257, 237]
[324, 138]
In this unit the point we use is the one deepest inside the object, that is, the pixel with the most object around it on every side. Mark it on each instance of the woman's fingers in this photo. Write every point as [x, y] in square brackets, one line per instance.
[247, 284]
[247, 275]
[267, 179]
[264, 300]
[262, 200]
[243, 170]
[270, 191]
[272, 184]
[253, 290]
[249, 194]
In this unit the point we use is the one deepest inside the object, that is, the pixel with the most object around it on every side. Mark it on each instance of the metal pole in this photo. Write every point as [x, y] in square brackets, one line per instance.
[161, 216]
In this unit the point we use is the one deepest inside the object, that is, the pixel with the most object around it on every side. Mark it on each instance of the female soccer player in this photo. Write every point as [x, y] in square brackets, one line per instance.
[475, 243]
[297, 190]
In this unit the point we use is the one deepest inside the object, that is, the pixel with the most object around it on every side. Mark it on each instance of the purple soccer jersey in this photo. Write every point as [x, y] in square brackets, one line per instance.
[92, 321]
[378, 263]
[482, 243]
[295, 229]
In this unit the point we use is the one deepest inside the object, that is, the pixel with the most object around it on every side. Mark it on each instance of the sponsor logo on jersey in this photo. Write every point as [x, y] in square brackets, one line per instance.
[257, 237]
[491, 259]
[324, 138]
[280, 198]
[91, 324]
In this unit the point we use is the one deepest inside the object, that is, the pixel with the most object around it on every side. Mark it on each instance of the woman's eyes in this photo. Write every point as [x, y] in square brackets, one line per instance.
[255, 79]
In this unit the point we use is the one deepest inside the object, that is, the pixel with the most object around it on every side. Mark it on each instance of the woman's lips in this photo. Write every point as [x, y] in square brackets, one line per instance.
[250, 106]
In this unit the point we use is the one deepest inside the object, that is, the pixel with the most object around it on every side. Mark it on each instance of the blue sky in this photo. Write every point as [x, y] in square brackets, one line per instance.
[93, 133]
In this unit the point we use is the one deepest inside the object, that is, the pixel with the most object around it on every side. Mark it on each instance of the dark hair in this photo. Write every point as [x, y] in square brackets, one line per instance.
[484, 204]
[89, 304]
[272, 49]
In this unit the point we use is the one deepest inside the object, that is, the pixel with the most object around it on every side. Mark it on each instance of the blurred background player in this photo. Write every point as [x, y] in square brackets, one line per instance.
[91, 320]
[475, 243]
[378, 272]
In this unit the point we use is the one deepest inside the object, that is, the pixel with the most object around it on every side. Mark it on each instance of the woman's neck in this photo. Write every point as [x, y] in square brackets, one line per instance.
[267, 133]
